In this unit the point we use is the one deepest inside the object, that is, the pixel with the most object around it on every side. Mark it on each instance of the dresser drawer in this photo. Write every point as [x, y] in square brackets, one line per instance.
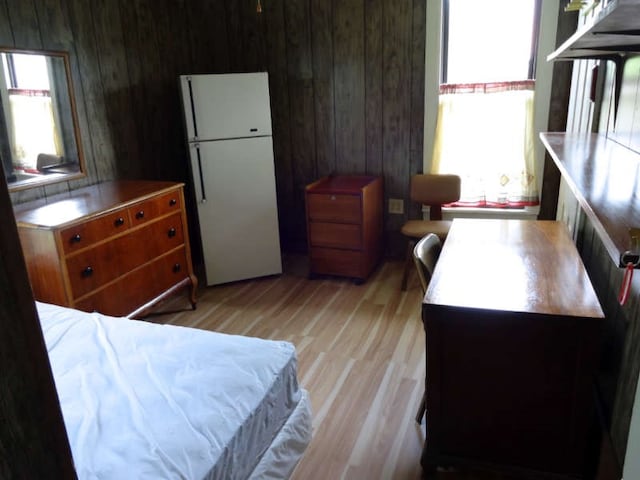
[334, 208]
[85, 234]
[336, 235]
[155, 207]
[122, 297]
[90, 269]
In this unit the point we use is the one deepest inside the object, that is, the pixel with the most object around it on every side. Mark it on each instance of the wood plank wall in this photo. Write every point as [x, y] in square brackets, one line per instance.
[346, 80]
[621, 336]
[624, 321]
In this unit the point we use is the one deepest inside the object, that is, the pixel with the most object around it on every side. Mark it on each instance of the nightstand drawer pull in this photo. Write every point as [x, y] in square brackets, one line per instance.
[87, 272]
[140, 214]
[119, 222]
[172, 202]
[176, 268]
[171, 233]
[76, 238]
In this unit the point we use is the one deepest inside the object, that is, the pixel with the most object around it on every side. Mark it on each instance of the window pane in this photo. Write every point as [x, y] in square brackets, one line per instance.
[31, 71]
[489, 41]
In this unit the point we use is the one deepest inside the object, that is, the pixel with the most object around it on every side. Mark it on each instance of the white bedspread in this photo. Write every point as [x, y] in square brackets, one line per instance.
[149, 401]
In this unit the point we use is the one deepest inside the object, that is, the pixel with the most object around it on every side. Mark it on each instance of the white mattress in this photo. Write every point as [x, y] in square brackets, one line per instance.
[149, 401]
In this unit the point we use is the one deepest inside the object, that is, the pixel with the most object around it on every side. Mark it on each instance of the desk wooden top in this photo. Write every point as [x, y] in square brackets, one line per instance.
[512, 265]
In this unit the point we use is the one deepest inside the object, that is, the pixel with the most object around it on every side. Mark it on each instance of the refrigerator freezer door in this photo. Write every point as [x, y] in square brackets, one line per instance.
[225, 106]
[237, 209]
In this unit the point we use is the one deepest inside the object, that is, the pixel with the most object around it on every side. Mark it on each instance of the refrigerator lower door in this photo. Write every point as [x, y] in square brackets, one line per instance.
[235, 190]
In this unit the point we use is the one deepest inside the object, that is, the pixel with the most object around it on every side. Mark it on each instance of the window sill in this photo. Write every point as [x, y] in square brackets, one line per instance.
[526, 213]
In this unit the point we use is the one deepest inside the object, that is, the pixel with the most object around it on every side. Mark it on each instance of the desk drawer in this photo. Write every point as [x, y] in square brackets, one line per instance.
[334, 208]
[85, 234]
[336, 235]
[155, 207]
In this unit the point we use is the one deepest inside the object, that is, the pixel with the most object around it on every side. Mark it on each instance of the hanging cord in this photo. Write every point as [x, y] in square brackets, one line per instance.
[625, 288]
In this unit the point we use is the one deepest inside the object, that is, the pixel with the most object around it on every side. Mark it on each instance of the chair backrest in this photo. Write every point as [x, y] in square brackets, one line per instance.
[425, 256]
[435, 190]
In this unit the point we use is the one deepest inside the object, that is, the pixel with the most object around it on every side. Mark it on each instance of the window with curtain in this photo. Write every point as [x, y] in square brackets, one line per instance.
[32, 129]
[484, 130]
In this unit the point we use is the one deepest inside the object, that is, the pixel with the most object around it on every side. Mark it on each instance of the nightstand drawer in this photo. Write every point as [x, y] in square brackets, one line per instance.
[333, 261]
[334, 208]
[84, 234]
[336, 235]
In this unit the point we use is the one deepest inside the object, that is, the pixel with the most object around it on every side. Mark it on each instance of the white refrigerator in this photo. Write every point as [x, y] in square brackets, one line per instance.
[228, 127]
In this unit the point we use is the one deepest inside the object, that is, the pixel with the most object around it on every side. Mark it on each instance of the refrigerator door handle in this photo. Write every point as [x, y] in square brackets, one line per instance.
[203, 192]
[193, 110]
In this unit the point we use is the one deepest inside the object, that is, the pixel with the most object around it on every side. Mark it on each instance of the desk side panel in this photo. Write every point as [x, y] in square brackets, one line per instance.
[509, 389]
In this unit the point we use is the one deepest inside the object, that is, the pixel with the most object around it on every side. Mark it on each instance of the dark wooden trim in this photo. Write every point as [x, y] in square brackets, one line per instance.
[33, 439]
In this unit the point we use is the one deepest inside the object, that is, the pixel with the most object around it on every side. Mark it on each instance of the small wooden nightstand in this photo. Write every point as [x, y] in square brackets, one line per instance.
[344, 225]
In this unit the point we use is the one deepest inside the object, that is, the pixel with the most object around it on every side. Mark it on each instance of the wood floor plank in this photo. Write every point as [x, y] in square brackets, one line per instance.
[361, 356]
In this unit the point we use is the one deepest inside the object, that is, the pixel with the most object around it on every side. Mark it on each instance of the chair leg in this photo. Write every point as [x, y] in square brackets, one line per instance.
[408, 264]
[422, 408]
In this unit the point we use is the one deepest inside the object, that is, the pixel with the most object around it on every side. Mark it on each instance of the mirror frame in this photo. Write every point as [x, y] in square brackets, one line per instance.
[17, 186]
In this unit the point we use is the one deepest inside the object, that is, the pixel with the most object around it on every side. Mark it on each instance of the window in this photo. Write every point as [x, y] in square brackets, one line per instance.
[32, 128]
[484, 128]
[490, 41]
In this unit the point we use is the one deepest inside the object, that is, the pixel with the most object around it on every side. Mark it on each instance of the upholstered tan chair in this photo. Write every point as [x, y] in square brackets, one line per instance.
[425, 256]
[434, 191]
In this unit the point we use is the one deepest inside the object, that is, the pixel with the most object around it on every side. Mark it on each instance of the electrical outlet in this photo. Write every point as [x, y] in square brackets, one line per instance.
[396, 205]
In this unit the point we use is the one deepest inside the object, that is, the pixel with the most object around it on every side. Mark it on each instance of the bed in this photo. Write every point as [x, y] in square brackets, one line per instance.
[148, 401]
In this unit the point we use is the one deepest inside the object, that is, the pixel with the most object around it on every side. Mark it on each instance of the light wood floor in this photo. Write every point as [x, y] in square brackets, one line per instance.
[361, 357]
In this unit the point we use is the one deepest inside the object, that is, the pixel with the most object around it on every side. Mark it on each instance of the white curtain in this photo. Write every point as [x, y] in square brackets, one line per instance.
[485, 134]
[33, 129]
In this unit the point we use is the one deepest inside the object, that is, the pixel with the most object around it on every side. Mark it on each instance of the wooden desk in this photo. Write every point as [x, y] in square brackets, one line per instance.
[512, 327]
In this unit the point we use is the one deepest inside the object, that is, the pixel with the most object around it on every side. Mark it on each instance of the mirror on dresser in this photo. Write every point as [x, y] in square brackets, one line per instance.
[39, 134]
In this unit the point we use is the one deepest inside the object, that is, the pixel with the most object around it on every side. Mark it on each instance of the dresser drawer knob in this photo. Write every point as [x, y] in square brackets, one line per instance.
[140, 214]
[171, 233]
[76, 238]
[119, 222]
[87, 272]
[333, 197]
[176, 268]
[172, 202]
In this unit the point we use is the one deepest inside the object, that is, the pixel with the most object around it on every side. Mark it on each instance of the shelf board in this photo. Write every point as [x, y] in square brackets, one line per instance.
[614, 32]
[605, 178]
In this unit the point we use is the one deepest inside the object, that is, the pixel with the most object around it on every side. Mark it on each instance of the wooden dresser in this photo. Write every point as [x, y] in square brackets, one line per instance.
[344, 225]
[117, 247]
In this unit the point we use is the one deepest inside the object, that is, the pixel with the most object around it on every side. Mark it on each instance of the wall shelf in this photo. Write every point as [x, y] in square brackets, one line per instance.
[612, 34]
[605, 178]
